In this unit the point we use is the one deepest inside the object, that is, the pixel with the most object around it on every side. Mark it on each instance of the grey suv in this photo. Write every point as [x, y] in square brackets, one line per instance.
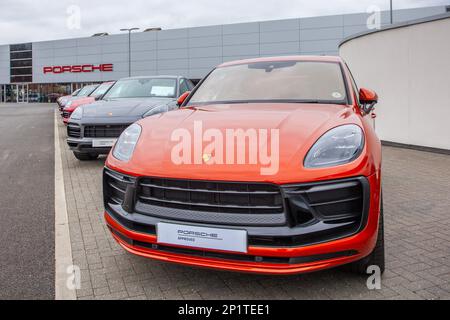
[93, 129]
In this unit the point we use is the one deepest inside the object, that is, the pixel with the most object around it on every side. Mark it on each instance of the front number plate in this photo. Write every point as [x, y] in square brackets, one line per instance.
[202, 237]
[98, 143]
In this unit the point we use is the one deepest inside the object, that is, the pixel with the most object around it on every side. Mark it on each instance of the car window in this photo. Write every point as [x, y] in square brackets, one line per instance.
[184, 87]
[143, 88]
[294, 81]
[101, 89]
[354, 85]
[190, 84]
[86, 91]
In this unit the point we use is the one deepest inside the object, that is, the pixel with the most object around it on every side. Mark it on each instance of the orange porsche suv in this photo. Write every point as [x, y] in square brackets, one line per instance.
[269, 165]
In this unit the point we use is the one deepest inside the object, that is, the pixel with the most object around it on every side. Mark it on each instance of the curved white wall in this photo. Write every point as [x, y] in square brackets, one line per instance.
[409, 68]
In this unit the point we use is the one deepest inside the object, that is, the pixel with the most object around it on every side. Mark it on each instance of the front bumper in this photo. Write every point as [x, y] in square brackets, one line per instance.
[78, 142]
[84, 145]
[276, 249]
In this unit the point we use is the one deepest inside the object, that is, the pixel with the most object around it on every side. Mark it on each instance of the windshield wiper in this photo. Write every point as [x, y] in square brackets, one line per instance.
[306, 101]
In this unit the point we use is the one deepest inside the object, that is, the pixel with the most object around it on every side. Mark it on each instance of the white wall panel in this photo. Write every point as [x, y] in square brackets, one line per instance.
[411, 80]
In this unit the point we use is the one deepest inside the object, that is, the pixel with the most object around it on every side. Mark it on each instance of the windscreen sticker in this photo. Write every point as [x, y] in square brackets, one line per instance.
[162, 91]
[336, 95]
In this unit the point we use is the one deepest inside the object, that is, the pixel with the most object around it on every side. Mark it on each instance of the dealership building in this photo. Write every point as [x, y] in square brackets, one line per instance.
[42, 71]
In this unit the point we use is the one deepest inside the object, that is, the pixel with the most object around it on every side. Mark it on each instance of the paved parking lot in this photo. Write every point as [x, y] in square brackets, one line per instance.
[417, 223]
[27, 235]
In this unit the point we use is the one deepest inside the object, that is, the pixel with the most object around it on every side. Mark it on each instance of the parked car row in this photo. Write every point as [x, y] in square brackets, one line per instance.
[112, 107]
[81, 100]
[268, 165]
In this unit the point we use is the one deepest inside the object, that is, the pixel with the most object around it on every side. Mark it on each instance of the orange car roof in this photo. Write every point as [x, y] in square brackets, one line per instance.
[284, 58]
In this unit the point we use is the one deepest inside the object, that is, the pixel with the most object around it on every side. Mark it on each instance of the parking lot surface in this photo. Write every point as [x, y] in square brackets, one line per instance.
[27, 201]
[417, 224]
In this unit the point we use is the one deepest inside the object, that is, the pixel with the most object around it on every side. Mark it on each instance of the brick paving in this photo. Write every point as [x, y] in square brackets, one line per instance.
[417, 224]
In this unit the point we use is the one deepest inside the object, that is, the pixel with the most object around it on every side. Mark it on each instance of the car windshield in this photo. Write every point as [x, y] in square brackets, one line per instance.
[101, 89]
[86, 91]
[143, 88]
[76, 92]
[284, 81]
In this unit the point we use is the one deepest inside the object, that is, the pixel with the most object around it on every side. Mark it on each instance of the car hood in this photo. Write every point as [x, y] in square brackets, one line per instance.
[299, 126]
[63, 100]
[78, 102]
[116, 108]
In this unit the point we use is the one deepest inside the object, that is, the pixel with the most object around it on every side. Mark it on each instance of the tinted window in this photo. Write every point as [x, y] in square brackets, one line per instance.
[143, 88]
[15, 79]
[354, 85]
[183, 86]
[190, 84]
[21, 63]
[21, 55]
[298, 81]
[85, 91]
[21, 47]
[101, 89]
[21, 71]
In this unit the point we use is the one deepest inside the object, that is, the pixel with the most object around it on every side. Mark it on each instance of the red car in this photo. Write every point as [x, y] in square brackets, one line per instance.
[270, 165]
[97, 94]
[61, 101]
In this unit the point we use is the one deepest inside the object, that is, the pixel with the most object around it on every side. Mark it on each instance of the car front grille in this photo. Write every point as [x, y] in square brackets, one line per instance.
[221, 197]
[73, 130]
[320, 211]
[104, 131]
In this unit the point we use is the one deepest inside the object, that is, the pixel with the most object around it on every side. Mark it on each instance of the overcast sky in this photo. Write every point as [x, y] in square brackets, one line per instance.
[28, 20]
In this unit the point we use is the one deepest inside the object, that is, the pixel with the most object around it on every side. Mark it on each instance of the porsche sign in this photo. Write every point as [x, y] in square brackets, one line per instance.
[82, 68]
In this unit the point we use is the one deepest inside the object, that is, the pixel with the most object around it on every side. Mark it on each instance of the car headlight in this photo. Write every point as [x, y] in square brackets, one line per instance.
[68, 104]
[124, 148]
[77, 114]
[338, 146]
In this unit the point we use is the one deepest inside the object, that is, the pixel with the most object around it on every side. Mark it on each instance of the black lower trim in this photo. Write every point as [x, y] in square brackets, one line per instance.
[86, 147]
[234, 256]
[282, 236]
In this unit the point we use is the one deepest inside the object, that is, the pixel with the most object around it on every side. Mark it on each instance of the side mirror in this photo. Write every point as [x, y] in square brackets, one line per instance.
[182, 98]
[97, 98]
[368, 100]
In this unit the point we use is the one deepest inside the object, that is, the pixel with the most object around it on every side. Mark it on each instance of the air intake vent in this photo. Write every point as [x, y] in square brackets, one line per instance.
[330, 202]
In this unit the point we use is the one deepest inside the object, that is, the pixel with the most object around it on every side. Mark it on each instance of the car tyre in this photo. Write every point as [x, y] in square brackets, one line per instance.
[85, 156]
[377, 256]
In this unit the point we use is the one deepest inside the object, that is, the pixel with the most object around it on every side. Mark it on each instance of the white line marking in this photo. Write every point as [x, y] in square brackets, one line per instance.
[63, 248]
